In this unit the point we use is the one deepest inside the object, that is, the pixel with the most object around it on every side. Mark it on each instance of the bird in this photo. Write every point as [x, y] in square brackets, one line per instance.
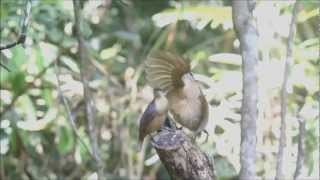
[154, 116]
[171, 73]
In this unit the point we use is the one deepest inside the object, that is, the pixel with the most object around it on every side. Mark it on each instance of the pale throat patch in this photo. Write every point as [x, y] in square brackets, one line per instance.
[162, 104]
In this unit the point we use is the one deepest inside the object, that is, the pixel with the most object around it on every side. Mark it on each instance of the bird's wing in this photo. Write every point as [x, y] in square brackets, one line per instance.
[164, 70]
[147, 117]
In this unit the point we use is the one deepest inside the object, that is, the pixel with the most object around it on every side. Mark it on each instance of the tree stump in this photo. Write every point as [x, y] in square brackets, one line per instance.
[182, 158]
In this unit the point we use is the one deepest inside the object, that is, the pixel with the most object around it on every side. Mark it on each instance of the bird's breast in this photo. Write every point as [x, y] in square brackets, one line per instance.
[157, 122]
[186, 106]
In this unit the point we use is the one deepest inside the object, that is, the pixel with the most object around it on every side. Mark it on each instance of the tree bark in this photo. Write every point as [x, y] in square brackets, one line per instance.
[86, 75]
[301, 147]
[182, 158]
[247, 33]
[284, 95]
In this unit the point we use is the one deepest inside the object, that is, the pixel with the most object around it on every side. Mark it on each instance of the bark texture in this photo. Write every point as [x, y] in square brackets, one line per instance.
[284, 96]
[181, 157]
[245, 28]
[301, 148]
[86, 75]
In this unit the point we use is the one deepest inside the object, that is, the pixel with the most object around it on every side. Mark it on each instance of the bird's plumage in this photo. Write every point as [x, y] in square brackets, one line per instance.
[171, 73]
[153, 117]
[165, 70]
[146, 119]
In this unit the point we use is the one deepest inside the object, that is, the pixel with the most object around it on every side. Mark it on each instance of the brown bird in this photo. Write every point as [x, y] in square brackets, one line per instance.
[171, 73]
[154, 116]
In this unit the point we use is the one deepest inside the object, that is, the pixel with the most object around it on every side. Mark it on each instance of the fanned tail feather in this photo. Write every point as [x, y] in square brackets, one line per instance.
[165, 69]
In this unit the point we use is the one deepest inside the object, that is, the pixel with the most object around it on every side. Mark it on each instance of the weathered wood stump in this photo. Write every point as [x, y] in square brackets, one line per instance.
[182, 158]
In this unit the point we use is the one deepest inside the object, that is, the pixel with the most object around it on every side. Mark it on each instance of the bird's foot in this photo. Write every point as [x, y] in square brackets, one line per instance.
[207, 136]
[152, 139]
[194, 136]
[166, 128]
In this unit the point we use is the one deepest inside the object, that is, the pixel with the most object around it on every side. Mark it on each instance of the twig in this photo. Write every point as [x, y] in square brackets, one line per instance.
[24, 26]
[84, 70]
[71, 117]
[301, 147]
[284, 94]
[246, 30]
[25, 89]
[318, 63]
[5, 67]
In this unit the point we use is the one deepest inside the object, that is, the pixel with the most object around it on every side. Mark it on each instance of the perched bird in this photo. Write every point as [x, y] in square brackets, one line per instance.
[171, 73]
[154, 116]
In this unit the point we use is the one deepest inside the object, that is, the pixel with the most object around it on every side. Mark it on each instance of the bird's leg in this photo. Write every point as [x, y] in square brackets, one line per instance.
[152, 139]
[168, 125]
[207, 136]
[194, 136]
[164, 127]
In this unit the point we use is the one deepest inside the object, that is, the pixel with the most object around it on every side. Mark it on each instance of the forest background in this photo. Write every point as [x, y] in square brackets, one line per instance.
[45, 133]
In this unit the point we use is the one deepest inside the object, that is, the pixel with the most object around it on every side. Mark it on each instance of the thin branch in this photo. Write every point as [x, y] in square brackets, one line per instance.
[318, 63]
[301, 147]
[5, 67]
[25, 89]
[24, 27]
[71, 117]
[284, 94]
[246, 30]
[85, 65]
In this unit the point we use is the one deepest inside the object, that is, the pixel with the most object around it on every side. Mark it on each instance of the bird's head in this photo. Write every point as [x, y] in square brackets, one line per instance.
[158, 93]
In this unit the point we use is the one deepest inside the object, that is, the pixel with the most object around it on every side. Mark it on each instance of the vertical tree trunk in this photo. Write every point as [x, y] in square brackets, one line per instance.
[85, 73]
[247, 33]
[284, 94]
[301, 147]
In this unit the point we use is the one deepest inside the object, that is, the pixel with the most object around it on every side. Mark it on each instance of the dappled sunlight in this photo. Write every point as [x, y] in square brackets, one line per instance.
[44, 112]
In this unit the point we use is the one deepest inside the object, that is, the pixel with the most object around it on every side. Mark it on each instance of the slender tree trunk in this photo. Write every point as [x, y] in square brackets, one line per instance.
[284, 94]
[301, 147]
[247, 34]
[85, 73]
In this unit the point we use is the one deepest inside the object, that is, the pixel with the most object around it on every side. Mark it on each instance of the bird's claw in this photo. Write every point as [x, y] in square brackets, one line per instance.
[167, 128]
[207, 136]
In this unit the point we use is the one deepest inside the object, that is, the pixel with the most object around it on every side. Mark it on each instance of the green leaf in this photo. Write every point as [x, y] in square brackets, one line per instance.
[14, 63]
[32, 124]
[39, 59]
[18, 82]
[55, 35]
[304, 15]
[223, 167]
[70, 63]
[66, 140]
[16, 77]
[198, 16]
[111, 52]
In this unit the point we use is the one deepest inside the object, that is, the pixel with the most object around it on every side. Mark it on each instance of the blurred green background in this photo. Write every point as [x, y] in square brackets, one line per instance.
[37, 140]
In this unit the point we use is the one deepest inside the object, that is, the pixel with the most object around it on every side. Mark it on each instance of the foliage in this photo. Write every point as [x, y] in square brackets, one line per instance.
[37, 139]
